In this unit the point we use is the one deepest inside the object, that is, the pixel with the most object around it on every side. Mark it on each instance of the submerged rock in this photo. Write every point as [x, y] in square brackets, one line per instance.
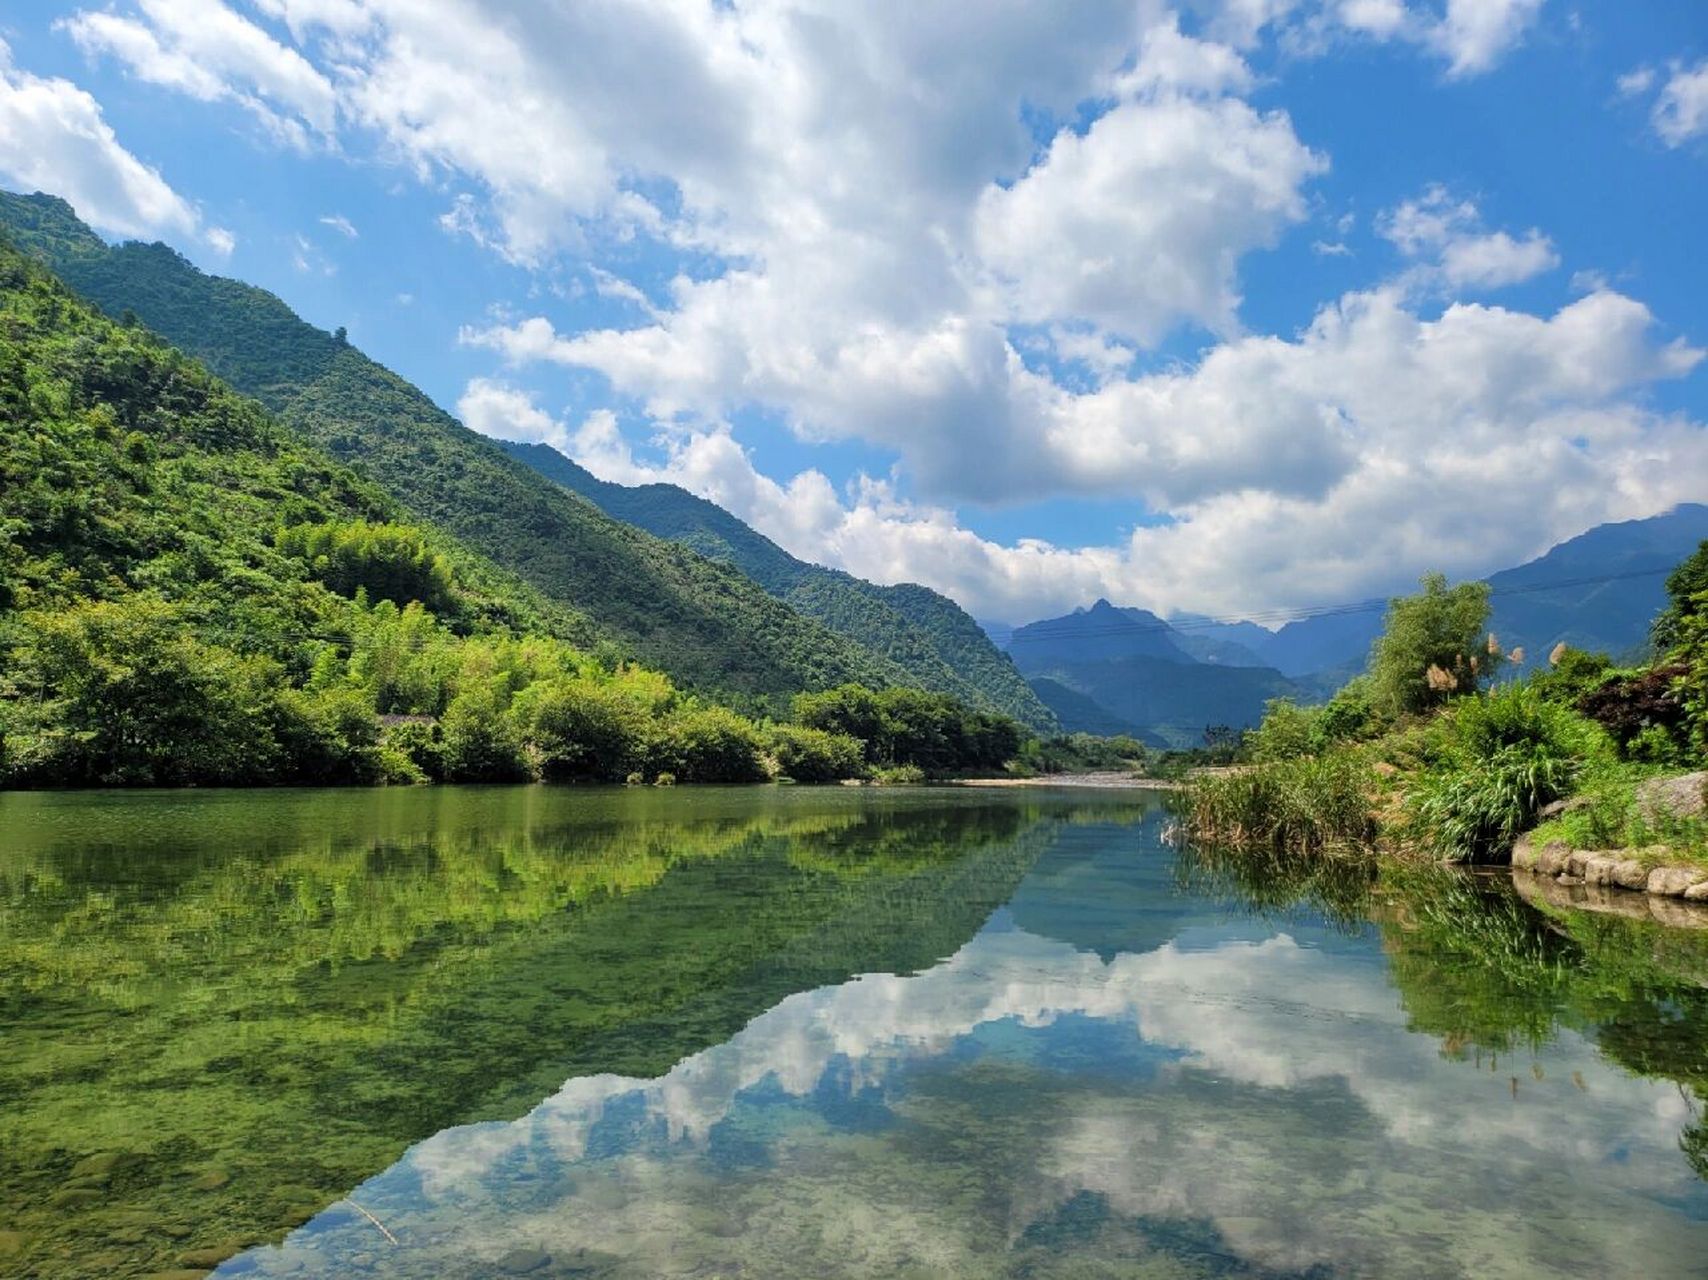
[520, 1262]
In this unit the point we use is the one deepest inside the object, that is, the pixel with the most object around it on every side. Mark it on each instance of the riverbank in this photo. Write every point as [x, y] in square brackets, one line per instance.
[1104, 779]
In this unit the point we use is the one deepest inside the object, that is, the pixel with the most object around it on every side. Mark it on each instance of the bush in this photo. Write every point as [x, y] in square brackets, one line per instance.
[899, 775]
[1473, 813]
[1301, 805]
[1636, 706]
[480, 742]
[711, 744]
[576, 729]
[813, 755]
[1508, 755]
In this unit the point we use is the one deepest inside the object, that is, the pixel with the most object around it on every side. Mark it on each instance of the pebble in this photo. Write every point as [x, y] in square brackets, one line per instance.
[207, 1257]
[212, 1180]
[76, 1197]
[11, 1243]
[99, 1165]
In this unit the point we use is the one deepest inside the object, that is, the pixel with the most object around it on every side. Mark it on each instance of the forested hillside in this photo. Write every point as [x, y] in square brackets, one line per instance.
[925, 633]
[190, 594]
[705, 624]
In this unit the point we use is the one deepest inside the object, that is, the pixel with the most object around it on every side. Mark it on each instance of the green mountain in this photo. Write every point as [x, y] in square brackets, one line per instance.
[703, 623]
[926, 634]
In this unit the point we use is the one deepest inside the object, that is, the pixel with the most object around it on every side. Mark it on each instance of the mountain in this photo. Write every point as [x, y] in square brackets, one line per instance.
[1109, 669]
[703, 623]
[1615, 576]
[1105, 666]
[926, 634]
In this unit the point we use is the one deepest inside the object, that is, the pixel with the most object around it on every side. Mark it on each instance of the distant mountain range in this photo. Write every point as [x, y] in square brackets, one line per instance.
[1108, 669]
[704, 620]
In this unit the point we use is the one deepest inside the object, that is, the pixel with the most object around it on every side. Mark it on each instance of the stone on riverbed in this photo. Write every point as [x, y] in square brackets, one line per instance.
[1675, 882]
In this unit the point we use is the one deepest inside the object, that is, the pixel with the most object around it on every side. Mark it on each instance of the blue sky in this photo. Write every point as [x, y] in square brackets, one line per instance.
[1230, 305]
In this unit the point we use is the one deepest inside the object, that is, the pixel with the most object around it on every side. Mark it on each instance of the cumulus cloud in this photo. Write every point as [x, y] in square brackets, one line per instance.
[1435, 225]
[1681, 111]
[207, 51]
[1331, 466]
[54, 137]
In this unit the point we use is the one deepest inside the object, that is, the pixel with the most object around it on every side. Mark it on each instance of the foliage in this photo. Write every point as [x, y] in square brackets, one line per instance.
[579, 729]
[814, 755]
[1432, 647]
[1687, 598]
[386, 561]
[929, 731]
[1302, 805]
[1571, 674]
[1081, 752]
[703, 623]
[1505, 756]
[1645, 711]
[709, 744]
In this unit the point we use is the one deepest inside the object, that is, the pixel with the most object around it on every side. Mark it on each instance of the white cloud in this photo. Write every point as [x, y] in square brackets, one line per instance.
[339, 223]
[1334, 466]
[1495, 260]
[1474, 34]
[220, 241]
[1437, 226]
[205, 50]
[1141, 221]
[505, 413]
[1681, 111]
[54, 137]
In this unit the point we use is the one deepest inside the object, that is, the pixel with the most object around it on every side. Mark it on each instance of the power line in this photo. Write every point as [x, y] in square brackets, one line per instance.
[1061, 628]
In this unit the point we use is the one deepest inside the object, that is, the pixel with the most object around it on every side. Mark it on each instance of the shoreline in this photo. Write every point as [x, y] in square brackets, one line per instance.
[1105, 781]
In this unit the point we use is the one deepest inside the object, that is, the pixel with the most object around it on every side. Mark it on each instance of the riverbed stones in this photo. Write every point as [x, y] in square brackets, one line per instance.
[208, 1257]
[210, 1180]
[1697, 892]
[1675, 882]
[98, 1166]
[1630, 873]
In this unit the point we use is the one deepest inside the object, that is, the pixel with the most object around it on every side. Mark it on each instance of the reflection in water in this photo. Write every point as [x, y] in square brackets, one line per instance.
[1234, 1098]
[796, 1033]
[216, 1029]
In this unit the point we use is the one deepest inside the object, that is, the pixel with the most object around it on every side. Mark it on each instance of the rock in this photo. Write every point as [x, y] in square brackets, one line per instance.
[1569, 880]
[129, 1234]
[1551, 810]
[1598, 869]
[1697, 892]
[1575, 860]
[180, 1273]
[1675, 913]
[519, 1262]
[1682, 796]
[1524, 853]
[212, 1180]
[11, 1243]
[1630, 874]
[174, 1230]
[1672, 882]
[1553, 858]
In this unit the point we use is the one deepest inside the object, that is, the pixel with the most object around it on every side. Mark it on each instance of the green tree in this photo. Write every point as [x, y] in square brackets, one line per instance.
[1433, 646]
[709, 744]
[479, 741]
[1687, 596]
[576, 729]
[813, 755]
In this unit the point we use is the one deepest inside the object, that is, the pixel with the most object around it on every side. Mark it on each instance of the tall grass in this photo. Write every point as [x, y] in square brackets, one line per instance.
[1302, 805]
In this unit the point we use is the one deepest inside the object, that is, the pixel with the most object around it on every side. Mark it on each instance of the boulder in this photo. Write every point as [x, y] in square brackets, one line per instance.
[1629, 873]
[1674, 882]
[1697, 892]
[1598, 869]
[1682, 796]
[1553, 858]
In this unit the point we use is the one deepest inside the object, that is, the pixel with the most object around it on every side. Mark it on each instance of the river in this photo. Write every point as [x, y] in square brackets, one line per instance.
[813, 1032]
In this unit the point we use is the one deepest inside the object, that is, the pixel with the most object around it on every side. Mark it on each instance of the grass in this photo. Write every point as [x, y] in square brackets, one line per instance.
[1605, 815]
[1304, 805]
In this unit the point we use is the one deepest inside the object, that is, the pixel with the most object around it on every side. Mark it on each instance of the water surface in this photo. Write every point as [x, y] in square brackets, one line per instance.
[803, 1032]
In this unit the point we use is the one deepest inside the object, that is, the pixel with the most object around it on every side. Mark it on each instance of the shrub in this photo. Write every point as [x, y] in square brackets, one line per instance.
[813, 755]
[899, 775]
[1473, 813]
[1300, 805]
[480, 742]
[577, 729]
[710, 744]
[1632, 706]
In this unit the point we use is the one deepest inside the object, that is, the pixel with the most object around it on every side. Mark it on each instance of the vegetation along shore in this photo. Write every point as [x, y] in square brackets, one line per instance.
[1587, 772]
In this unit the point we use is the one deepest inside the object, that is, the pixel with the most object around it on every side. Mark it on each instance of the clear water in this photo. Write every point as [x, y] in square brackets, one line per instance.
[799, 1032]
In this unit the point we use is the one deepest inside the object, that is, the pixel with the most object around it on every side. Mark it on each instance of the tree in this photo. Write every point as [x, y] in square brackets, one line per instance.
[1687, 596]
[1433, 646]
[576, 729]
